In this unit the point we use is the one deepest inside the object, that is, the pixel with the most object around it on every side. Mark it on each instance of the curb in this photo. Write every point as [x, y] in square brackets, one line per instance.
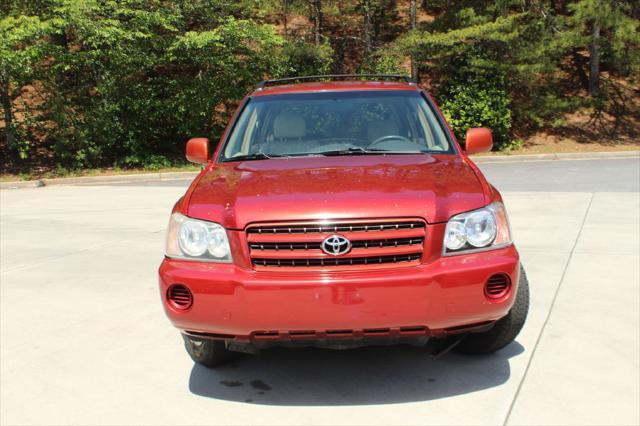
[98, 180]
[154, 177]
[558, 156]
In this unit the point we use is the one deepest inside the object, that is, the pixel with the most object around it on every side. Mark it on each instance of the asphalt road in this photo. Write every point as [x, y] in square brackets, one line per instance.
[604, 175]
[83, 339]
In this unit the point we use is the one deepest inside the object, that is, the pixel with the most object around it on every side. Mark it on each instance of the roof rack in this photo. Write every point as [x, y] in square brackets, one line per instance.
[404, 78]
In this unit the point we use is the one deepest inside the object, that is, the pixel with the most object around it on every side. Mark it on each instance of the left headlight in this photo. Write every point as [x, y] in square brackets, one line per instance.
[195, 239]
[483, 229]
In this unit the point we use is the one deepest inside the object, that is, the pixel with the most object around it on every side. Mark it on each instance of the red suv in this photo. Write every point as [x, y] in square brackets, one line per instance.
[340, 212]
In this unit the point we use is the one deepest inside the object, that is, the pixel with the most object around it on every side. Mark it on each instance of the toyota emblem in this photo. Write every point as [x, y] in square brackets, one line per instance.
[336, 245]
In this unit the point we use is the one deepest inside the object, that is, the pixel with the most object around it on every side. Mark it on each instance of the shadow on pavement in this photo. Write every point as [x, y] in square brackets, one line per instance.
[372, 375]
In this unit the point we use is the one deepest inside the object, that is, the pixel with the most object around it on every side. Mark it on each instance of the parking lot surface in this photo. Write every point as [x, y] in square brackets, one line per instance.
[84, 339]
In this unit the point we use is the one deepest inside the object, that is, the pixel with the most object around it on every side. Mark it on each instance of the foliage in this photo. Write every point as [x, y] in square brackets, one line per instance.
[504, 63]
[303, 58]
[103, 83]
[21, 47]
[621, 39]
[130, 80]
[21, 50]
[384, 61]
[469, 64]
[473, 100]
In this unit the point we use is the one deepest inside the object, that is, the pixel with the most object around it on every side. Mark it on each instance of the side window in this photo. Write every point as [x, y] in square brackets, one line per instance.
[240, 141]
[426, 134]
[436, 139]
[250, 131]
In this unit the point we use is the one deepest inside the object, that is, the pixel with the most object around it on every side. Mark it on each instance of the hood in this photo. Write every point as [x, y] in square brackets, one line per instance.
[323, 188]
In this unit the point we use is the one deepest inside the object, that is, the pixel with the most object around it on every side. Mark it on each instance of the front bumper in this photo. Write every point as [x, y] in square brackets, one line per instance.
[436, 298]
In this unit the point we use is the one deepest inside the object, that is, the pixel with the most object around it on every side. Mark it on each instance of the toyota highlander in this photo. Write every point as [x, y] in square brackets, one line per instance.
[338, 212]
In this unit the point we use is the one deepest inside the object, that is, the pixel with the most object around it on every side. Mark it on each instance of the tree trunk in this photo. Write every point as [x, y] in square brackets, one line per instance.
[594, 61]
[317, 20]
[285, 13]
[413, 15]
[366, 6]
[338, 64]
[579, 63]
[9, 129]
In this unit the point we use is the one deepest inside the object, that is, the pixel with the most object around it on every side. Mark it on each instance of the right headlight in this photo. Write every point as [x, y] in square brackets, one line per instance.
[483, 229]
[195, 239]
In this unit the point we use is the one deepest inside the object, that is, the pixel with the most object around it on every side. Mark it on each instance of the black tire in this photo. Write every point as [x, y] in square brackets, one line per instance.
[209, 353]
[505, 329]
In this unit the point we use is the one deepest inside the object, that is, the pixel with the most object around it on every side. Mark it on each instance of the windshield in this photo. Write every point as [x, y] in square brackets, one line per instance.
[336, 123]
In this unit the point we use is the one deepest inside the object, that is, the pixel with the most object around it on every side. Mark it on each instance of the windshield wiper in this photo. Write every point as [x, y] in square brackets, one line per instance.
[250, 157]
[363, 151]
[332, 153]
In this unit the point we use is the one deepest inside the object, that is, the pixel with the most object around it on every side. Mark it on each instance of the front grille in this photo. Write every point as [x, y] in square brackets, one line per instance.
[388, 243]
[358, 227]
[347, 261]
[355, 244]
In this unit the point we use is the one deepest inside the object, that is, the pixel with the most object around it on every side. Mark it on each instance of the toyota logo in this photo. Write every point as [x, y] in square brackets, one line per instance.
[336, 245]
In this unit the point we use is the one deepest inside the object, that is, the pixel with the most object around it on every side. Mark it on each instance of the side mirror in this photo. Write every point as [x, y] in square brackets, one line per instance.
[478, 140]
[198, 150]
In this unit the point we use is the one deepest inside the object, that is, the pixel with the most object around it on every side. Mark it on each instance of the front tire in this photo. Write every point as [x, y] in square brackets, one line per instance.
[505, 329]
[209, 353]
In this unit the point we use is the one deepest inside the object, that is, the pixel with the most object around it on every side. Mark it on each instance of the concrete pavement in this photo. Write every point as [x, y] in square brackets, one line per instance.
[84, 339]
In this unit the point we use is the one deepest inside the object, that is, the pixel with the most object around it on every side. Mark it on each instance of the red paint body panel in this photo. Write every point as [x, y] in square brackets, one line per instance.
[448, 292]
[334, 86]
[436, 292]
[478, 140]
[198, 150]
[318, 188]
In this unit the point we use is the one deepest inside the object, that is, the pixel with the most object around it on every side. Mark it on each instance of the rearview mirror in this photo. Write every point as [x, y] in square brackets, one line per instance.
[198, 150]
[478, 140]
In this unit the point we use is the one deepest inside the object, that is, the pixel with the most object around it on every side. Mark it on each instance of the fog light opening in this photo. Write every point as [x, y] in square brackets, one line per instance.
[497, 286]
[179, 297]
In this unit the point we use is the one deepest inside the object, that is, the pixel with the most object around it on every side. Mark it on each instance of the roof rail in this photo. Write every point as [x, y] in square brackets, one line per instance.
[404, 78]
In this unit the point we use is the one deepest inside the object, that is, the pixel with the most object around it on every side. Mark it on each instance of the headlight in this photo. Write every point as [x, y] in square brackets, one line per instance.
[197, 239]
[483, 229]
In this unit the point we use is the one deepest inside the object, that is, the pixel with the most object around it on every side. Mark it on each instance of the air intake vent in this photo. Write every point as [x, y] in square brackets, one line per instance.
[179, 297]
[497, 286]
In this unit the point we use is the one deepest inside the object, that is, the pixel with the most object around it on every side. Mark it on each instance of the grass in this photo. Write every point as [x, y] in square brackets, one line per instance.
[566, 146]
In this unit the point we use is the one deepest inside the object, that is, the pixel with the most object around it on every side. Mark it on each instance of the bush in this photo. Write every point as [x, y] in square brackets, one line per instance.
[384, 61]
[127, 83]
[302, 58]
[477, 102]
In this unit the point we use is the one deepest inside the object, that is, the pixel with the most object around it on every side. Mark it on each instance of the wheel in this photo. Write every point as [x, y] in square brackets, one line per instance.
[505, 329]
[209, 353]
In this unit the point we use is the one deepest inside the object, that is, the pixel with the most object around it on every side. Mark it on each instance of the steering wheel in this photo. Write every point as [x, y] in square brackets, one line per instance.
[389, 137]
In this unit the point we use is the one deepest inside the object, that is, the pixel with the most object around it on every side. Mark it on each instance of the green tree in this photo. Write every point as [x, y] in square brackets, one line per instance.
[22, 48]
[125, 82]
[608, 30]
[302, 58]
[133, 79]
[523, 48]
[466, 53]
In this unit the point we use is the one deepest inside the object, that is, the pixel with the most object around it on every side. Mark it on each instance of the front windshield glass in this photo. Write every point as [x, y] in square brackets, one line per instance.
[336, 123]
